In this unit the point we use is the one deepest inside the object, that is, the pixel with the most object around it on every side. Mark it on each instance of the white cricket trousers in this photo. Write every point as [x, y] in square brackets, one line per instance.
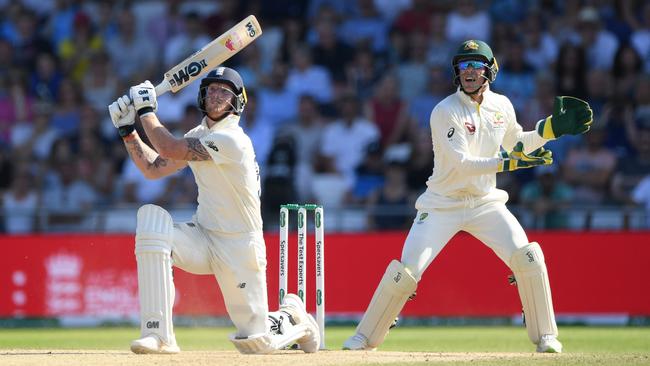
[492, 223]
[238, 261]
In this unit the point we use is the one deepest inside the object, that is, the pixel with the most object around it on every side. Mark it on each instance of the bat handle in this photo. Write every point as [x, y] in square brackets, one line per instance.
[163, 87]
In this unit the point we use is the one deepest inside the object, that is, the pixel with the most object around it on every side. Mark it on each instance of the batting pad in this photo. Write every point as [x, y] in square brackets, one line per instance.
[285, 335]
[394, 289]
[156, 288]
[534, 290]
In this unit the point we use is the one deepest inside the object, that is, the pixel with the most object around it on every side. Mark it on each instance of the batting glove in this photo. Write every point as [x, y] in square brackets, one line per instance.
[122, 114]
[144, 98]
[517, 159]
[571, 116]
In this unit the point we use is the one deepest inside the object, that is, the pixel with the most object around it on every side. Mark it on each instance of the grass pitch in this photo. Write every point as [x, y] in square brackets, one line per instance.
[404, 346]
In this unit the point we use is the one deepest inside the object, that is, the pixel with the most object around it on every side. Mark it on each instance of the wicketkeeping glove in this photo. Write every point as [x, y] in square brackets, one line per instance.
[517, 159]
[571, 116]
[144, 98]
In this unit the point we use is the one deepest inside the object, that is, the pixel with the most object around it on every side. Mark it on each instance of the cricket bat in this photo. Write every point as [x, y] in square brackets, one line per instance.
[210, 56]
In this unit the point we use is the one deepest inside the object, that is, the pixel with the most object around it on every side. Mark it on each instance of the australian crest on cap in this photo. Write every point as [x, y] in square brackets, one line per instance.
[471, 45]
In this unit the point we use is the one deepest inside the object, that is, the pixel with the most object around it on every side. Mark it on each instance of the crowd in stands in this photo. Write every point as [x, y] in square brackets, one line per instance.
[340, 93]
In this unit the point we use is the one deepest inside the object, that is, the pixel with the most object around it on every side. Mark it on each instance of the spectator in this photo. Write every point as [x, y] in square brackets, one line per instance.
[45, 78]
[467, 21]
[599, 43]
[191, 39]
[419, 166]
[631, 169]
[370, 174]
[415, 19]
[413, 73]
[16, 104]
[345, 142]
[541, 48]
[77, 50]
[306, 132]
[329, 51]
[259, 129]
[368, 29]
[422, 104]
[66, 114]
[127, 46]
[20, 203]
[640, 38]
[28, 43]
[67, 198]
[628, 65]
[306, 78]
[389, 112]
[571, 71]
[386, 205]
[276, 94]
[98, 84]
[641, 196]
[252, 68]
[362, 73]
[547, 197]
[516, 76]
[589, 168]
[35, 139]
[440, 48]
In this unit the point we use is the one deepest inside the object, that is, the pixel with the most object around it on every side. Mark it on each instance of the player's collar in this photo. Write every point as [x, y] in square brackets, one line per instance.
[466, 99]
[231, 120]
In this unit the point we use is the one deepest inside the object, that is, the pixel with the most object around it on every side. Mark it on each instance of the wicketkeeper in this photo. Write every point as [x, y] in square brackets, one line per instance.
[224, 237]
[475, 136]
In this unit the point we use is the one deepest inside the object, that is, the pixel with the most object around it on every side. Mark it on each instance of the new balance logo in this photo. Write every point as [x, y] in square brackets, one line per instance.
[242, 285]
[212, 145]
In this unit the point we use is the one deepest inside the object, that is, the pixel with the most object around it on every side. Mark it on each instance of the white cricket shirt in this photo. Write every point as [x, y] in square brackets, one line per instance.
[229, 184]
[466, 141]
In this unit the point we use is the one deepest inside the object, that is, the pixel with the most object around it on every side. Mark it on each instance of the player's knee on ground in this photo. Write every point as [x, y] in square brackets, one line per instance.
[156, 289]
[529, 268]
[395, 287]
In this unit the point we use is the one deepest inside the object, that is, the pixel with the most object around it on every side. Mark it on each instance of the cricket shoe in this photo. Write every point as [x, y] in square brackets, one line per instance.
[294, 306]
[358, 342]
[153, 344]
[549, 344]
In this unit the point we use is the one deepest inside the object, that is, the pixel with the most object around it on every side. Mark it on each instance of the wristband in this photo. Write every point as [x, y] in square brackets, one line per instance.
[124, 131]
[144, 110]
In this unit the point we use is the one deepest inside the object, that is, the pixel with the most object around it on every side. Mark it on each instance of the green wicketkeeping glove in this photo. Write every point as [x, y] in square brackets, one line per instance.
[571, 116]
[517, 159]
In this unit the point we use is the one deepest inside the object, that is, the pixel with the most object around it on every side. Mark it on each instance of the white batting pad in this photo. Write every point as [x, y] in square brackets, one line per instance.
[254, 344]
[283, 333]
[394, 289]
[534, 290]
[156, 288]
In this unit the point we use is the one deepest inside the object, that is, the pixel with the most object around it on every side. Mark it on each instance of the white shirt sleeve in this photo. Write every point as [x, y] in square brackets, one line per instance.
[223, 148]
[449, 133]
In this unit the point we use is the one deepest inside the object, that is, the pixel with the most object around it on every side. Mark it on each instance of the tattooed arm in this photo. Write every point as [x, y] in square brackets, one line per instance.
[170, 147]
[151, 164]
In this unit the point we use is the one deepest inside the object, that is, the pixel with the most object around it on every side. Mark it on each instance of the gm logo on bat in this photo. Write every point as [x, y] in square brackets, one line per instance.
[183, 75]
[251, 29]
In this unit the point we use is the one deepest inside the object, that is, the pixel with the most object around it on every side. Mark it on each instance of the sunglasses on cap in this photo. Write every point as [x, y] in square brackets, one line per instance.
[464, 65]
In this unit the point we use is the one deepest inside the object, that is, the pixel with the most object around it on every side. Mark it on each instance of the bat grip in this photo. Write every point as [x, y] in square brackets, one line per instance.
[163, 87]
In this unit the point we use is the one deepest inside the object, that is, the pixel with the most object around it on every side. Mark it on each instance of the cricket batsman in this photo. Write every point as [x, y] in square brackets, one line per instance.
[476, 136]
[224, 237]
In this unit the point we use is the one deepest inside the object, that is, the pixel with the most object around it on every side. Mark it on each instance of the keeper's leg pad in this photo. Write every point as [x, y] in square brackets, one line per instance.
[153, 240]
[394, 289]
[529, 268]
